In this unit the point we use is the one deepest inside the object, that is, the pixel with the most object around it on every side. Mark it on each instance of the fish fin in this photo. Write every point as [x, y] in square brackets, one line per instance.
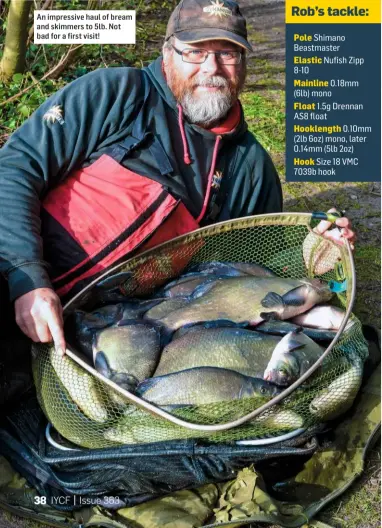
[270, 316]
[174, 407]
[78, 316]
[81, 322]
[295, 297]
[273, 300]
[101, 364]
[146, 384]
[164, 334]
[126, 381]
[183, 330]
[276, 327]
[114, 281]
[202, 289]
[191, 325]
[224, 323]
[127, 322]
[165, 337]
[293, 345]
[141, 306]
[320, 335]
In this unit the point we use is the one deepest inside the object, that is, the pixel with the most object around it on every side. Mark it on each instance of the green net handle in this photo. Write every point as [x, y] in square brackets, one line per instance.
[305, 218]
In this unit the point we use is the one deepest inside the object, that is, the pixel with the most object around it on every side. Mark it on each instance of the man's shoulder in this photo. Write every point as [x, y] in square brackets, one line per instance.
[251, 146]
[109, 77]
[111, 74]
[114, 73]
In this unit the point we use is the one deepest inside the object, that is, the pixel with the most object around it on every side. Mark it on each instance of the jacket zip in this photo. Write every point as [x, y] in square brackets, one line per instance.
[58, 283]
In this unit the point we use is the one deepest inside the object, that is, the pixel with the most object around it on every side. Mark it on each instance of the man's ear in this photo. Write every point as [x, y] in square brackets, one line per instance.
[166, 51]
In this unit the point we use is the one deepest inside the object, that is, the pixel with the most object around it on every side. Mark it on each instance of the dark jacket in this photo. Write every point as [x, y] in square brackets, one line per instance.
[78, 124]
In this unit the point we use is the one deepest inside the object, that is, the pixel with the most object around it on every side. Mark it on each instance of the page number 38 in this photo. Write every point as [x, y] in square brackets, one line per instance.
[39, 500]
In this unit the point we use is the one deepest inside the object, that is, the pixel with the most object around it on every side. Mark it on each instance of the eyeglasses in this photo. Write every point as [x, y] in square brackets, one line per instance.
[198, 56]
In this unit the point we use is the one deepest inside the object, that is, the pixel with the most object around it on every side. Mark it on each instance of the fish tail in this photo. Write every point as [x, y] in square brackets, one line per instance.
[164, 333]
[126, 381]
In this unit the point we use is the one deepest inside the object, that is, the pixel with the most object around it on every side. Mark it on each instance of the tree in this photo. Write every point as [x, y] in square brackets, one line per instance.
[13, 59]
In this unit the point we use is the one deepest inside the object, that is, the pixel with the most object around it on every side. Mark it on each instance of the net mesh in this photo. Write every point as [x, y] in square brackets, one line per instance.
[89, 413]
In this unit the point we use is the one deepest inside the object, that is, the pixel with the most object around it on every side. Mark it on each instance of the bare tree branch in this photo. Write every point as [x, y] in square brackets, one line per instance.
[49, 75]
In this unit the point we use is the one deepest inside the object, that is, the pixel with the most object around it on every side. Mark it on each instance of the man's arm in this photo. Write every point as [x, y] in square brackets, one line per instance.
[59, 136]
[271, 187]
[266, 193]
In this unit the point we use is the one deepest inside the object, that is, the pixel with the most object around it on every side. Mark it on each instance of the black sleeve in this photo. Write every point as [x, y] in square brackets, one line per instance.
[271, 192]
[266, 196]
[55, 140]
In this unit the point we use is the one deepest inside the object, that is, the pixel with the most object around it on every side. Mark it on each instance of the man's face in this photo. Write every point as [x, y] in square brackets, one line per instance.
[206, 91]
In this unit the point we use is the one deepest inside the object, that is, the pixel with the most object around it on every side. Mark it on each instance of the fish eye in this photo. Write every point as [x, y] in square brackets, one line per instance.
[263, 390]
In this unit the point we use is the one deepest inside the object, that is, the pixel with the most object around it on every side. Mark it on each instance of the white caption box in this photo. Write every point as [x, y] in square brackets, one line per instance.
[84, 27]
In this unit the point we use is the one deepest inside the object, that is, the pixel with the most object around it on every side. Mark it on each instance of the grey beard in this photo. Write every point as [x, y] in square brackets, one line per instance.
[206, 112]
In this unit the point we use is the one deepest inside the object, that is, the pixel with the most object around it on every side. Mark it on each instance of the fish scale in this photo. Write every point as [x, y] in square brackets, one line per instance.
[244, 351]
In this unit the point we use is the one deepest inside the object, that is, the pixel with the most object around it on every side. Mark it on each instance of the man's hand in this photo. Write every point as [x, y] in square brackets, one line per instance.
[39, 315]
[337, 235]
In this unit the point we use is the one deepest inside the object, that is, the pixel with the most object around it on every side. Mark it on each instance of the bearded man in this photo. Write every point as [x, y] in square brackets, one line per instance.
[122, 159]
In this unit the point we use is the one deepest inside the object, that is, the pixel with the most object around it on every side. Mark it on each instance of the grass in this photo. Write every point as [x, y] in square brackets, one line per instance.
[266, 119]
[368, 267]
[359, 507]
[368, 264]
[8, 520]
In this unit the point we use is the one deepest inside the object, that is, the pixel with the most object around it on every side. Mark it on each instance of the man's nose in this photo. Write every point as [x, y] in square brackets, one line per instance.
[211, 64]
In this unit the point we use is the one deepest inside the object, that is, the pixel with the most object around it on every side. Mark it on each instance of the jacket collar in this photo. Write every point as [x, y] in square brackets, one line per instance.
[234, 125]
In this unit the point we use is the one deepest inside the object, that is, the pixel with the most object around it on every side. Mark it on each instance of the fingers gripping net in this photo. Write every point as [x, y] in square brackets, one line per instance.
[88, 412]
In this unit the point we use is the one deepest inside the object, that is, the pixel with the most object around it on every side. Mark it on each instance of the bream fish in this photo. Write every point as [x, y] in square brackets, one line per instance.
[249, 299]
[291, 358]
[325, 317]
[80, 326]
[203, 385]
[127, 353]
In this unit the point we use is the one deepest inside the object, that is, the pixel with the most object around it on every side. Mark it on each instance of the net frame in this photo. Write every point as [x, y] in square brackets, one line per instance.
[286, 219]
